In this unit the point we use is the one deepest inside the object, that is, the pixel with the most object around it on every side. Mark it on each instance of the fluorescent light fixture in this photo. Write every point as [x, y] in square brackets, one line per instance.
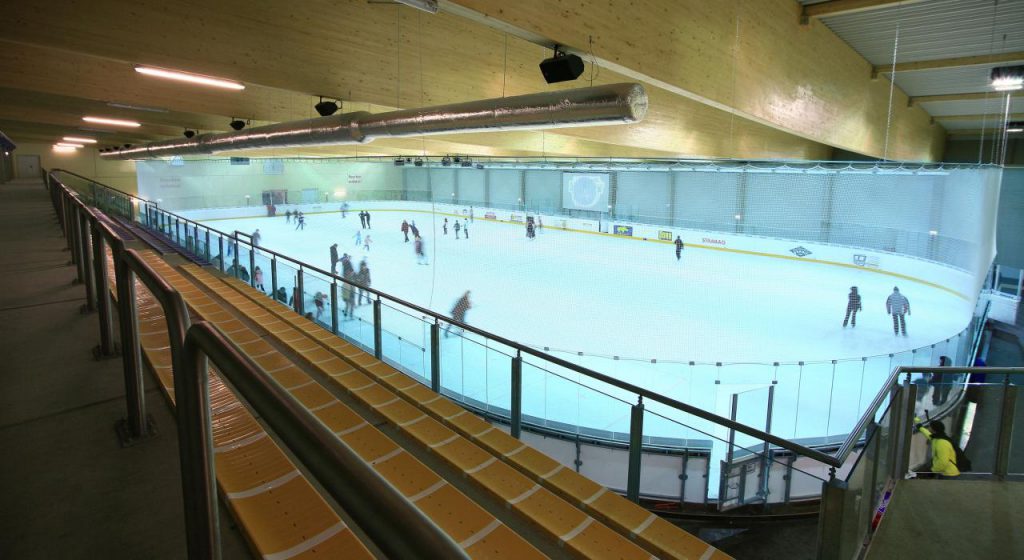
[70, 145]
[738, 216]
[64, 149]
[932, 232]
[1007, 78]
[1015, 126]
[111, 122]
[79, 140]
[191, 78]
[1015, 130]
[136, 107]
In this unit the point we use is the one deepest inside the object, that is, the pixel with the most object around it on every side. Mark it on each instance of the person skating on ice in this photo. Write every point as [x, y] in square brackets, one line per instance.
[853, 305]
[413, 229]
[465, 228]
[419, 247]
[459, 311]
[405, 230]
[471, 214]
[300, 222]
[288, 217]
[362, 219]
[346, 266]
[679, 247]
[898, 305]
[359, 237]
[368, 226]
[540, 225]
[363, 279]
[456, 227]
[257, 278]
[366, 242]
[444, 226]
[334, 258]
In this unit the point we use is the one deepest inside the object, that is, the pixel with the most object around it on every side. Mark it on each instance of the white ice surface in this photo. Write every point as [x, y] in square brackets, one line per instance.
[608, 296]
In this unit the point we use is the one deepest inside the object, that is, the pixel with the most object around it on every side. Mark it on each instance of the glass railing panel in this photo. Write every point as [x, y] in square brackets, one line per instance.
[846, 408]
[261, 271]
[287, 279]
[316, 298]
[479, 370]
[405, 339]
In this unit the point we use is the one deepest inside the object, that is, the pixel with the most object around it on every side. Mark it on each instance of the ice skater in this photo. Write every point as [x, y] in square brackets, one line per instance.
[444, 226]
[359, 237]
[471, 214]
[366, 242]
[414, 230]
[368, 220]
[898, 305]
[421, 254]
[257, 237]
[334, 258]
[459, 312]
[363, 279]
[257, 279]
[540, 225]
[346, 265]
[300, 221]
[465, 228]
[679, 248]
[288, 217]
[405, 230]
[456, 227]
[852, 307]
[344, 210]
[348, 295]
[362, 219]
[318, 302]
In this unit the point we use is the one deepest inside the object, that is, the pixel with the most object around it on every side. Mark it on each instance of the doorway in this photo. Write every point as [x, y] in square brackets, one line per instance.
[28, 167]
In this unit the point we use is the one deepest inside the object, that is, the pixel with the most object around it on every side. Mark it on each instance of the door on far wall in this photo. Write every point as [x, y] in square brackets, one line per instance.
[28, 167]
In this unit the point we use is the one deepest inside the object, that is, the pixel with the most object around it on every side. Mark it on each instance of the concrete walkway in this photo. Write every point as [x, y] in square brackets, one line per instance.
[67, 488]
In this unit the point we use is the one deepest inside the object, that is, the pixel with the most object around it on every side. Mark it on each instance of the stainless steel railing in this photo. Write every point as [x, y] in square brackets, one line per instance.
[375, 505]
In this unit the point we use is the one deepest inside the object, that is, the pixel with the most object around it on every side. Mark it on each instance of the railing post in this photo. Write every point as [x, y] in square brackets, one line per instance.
[435, 357]
[220, 255]
[378, 333]
[206, 252]
[76, 242]
[903, 424]
[273, 283]
[334, 305]
[234, 255]
[106, 347]
[830, 520]
[135, 426]
[636, 440]
[87, 266]
[192, 396]
[80, 246]
[516, 412]
[1005, 429]
[252, 266]
[300, 292]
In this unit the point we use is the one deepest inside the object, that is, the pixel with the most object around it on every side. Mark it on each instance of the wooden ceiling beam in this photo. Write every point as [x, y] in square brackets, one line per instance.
[844, 7]
[959, 62]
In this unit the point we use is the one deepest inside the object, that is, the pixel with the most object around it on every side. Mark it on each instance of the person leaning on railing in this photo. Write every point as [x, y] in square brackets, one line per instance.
[943, 450]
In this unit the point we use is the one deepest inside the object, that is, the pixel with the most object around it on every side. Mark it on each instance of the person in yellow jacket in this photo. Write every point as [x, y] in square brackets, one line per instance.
[943, 452]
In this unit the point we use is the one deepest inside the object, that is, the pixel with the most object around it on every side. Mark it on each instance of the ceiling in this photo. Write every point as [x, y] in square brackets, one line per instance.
[77, 58]
[942, 48]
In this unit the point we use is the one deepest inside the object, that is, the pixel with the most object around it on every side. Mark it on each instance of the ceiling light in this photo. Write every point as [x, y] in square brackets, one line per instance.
[561, 67]
[111, 122]
[70, 145]
[1007, 78]
[191, 78]
[64, 149]
[136, 107]
[79, 140]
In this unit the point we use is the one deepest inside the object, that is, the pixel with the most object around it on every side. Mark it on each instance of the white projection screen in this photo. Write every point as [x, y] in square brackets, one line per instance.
[585, 191]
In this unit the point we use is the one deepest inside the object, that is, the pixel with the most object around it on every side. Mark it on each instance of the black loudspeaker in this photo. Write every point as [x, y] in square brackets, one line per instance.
[561, 68]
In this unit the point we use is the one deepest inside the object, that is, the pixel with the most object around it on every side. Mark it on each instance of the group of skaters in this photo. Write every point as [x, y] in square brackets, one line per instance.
[353, 290]
[457, 227]
[897, 305]
[297, 216]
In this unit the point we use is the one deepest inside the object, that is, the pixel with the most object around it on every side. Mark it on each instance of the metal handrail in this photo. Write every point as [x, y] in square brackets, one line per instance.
[831, 460]
[337, 467]
[351, 481]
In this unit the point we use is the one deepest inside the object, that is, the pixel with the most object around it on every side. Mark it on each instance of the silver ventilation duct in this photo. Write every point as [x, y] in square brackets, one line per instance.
[592, 106]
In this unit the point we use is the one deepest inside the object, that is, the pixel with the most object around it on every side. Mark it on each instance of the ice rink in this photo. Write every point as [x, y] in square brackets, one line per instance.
[607, 296]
